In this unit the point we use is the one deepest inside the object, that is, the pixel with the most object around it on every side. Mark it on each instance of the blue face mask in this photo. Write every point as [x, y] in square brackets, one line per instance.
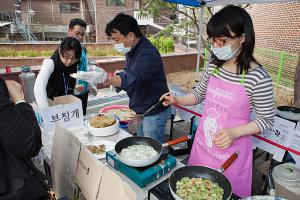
[224, 53]
[121, 48]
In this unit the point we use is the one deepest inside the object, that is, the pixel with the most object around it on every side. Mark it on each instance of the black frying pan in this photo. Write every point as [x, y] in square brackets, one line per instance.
[136, 140]
[214, 175]
[289, 112]
[289, 108]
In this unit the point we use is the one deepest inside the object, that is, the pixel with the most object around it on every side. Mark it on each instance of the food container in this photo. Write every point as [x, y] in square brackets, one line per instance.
[106, 131]
[288, 176]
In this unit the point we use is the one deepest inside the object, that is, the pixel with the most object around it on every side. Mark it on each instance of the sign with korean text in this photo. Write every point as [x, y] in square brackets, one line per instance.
[281, 131]
[65, 110]
[276, 140]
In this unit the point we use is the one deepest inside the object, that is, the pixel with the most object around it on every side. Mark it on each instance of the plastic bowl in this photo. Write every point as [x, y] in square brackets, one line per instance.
[107, 131]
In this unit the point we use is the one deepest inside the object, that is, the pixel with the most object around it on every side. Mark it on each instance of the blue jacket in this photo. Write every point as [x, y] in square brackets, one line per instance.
[83, 66]
[144, 77]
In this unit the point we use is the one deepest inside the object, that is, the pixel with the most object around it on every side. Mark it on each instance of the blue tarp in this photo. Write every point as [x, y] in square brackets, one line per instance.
[194, 3]
[198, 3]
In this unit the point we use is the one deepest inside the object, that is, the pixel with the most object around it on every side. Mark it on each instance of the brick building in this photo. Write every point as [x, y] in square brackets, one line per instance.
[48, 20]
[277, 25]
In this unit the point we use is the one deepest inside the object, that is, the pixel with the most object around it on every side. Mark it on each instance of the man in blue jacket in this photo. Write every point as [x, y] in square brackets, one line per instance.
[143, 77]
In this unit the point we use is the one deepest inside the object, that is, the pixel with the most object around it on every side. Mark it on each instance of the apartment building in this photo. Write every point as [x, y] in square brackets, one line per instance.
[47, 20]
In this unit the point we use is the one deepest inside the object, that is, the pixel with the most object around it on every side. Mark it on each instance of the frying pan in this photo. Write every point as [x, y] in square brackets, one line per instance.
[141, 140]
[214, 175]
[289, 112]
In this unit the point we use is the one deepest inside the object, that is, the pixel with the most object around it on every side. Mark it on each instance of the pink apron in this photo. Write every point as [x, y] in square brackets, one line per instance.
[226, 106]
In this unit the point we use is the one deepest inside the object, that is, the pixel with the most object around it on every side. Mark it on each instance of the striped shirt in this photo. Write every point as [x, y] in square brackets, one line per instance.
[258, 85]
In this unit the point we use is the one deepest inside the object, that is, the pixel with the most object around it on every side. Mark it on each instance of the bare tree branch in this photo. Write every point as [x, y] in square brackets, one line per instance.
[209, 10]
[246, 6]
[194, 14]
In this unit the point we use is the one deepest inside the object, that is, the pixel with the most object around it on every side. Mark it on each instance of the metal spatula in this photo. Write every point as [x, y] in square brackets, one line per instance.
[134, 124]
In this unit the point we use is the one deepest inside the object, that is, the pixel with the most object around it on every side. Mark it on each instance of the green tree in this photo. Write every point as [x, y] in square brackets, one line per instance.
[189, 23]
[157, 7]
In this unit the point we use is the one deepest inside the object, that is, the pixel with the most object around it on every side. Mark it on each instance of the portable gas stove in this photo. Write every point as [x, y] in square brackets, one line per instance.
[162, 192]
[142, 176]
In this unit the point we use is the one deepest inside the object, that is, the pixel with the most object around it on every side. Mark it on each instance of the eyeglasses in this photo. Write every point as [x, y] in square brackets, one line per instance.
[67, 57]
[81, 34]
[220, 41]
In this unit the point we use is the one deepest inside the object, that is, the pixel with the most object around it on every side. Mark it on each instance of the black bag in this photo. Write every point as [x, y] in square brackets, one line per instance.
[43, 180]
[11, 185]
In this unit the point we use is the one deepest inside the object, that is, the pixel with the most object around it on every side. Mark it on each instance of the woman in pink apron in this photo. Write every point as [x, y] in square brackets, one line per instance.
[233, 86]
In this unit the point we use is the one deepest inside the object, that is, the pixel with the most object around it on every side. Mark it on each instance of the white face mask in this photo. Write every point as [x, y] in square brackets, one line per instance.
[224, 53]
[121, 48]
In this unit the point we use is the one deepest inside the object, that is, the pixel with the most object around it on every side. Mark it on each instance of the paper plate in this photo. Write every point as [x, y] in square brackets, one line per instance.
[109, 145]
[77, 76]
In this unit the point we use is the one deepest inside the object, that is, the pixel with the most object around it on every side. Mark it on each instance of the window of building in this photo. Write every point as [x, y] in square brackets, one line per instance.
[69, 7]
[136, 5]
[5, 17]
[115, 2]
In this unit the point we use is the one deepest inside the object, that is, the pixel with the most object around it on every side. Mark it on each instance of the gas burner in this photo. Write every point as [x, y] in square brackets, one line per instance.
[142, 176]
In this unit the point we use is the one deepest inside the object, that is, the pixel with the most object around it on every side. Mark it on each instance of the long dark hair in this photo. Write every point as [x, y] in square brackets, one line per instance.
[236, 20]
[71, 43]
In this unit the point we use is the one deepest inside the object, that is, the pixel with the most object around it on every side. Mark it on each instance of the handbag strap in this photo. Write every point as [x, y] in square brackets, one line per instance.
[42, 178]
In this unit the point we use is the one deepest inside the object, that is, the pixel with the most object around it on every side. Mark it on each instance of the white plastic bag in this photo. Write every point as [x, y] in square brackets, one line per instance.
[97, 76]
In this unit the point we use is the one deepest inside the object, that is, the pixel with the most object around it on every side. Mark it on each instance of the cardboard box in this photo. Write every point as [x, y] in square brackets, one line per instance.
[112, 187]
[64, 159]
[280, 190]
[88, 174]
[65, 110]
[96, 181]
[284, 192]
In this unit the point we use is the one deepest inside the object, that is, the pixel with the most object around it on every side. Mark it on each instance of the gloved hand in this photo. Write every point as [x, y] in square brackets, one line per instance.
[99, 76]
[93, 89]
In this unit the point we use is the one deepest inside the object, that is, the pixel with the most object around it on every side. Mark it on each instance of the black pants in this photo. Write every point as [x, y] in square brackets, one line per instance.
[84, 100]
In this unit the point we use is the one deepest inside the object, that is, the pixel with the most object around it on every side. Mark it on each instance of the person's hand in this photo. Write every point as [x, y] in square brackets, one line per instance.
[15, 91]
[93, 89]
[98, 76]
[110, 76]
[224, 137]
[167, 99]
[79, 88]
